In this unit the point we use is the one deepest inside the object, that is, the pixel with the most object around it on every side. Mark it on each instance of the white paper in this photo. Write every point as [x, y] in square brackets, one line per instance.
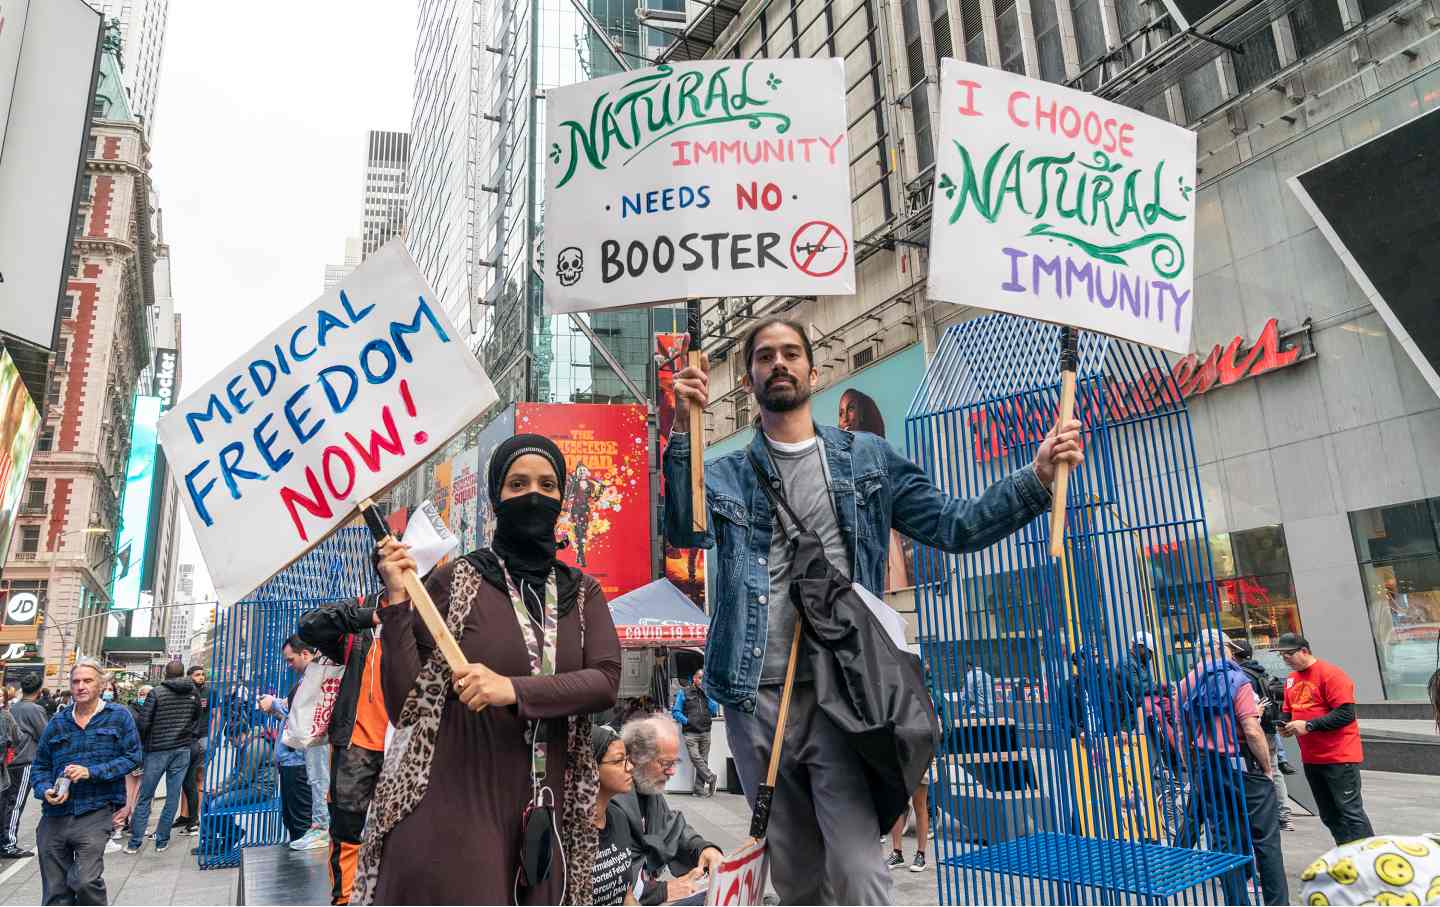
[430, 540]
[707, 178]
[358, 388]
[1054, 204]
[889, 618]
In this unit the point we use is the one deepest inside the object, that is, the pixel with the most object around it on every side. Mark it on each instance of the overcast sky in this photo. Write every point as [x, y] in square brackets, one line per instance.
[258, 157]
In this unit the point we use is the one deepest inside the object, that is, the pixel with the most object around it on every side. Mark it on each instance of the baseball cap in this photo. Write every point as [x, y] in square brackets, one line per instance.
[1290, 642]
[1210, 638]
[1241, 647]
[1145, 639]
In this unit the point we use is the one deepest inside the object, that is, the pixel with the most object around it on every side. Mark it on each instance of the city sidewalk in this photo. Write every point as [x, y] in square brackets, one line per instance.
[1402, 804]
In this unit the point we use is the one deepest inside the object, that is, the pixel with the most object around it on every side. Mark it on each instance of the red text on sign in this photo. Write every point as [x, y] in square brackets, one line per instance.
[1104, 132]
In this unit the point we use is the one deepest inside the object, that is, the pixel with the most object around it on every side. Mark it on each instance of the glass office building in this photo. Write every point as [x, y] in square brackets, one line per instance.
[477, 188]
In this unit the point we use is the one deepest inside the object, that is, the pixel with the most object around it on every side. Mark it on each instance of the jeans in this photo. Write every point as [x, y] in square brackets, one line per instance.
[294, 800]
[698, 747]
[1282, 793]
[317, 769]
[1336, 787]
[72, 857]
[171, 765]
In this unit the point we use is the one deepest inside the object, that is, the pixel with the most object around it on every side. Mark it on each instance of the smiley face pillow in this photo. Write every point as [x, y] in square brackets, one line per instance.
[1387, 869]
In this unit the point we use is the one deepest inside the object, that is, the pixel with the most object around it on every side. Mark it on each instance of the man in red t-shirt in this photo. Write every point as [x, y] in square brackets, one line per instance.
[1320, 710]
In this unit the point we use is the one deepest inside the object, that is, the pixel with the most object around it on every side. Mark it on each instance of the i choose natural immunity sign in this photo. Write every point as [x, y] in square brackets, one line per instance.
[1053, 204]
[336, 403]
[723, 177]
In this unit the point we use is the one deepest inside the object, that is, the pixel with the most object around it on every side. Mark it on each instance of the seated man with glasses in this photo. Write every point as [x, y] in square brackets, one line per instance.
[653, 747]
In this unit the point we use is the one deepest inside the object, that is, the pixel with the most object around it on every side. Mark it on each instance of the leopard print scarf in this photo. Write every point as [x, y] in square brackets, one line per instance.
[405, 776]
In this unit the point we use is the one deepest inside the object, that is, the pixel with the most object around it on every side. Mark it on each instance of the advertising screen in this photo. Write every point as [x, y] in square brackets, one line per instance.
[489, 438]
[135, 511]
[606, 512]
[21, 422]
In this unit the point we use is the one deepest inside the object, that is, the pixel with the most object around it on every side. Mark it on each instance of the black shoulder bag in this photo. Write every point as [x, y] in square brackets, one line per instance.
[870, 688]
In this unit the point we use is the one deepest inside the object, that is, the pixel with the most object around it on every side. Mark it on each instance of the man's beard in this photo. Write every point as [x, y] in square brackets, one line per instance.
[648, 786]
[782, 396]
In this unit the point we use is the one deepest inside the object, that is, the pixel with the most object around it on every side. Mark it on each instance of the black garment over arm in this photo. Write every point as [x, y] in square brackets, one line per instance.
[326, 628]
[1337, 718]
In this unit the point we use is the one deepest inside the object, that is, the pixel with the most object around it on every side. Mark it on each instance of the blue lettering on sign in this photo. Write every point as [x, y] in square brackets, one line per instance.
[378, 360]
[673, 198]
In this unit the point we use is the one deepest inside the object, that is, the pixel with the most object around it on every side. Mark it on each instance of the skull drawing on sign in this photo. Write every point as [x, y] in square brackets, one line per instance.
[570, 265]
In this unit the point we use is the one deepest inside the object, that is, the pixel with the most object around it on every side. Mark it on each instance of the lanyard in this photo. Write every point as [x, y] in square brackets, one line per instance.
[542, 654]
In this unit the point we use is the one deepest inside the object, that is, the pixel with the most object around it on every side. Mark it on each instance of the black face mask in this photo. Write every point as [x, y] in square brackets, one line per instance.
[525, 532]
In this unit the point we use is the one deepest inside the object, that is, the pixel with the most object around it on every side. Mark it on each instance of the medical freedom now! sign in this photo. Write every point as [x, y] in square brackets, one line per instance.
[724, 177]
[1054, 204]
[332, 406]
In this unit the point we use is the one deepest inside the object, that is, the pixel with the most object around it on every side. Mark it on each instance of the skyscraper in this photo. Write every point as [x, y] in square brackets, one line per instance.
[142, 42]
[353, 256]
[387, 163]
[477, 206]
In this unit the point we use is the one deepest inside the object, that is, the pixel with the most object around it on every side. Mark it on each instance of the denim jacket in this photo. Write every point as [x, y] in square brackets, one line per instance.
[874, 488]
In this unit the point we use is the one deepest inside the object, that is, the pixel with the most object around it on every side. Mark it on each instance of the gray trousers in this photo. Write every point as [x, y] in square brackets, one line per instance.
[72, 857]
[823, 828]
[698, 746]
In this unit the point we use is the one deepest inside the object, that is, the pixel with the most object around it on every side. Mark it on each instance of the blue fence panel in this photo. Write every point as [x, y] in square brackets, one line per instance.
[1059, 780]
[242, 804]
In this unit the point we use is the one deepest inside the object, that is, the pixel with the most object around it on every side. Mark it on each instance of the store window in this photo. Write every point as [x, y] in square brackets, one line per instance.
[1254, 589]
[1398, 549]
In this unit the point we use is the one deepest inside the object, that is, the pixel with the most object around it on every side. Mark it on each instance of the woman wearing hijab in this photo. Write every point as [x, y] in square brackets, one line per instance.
[489, 786]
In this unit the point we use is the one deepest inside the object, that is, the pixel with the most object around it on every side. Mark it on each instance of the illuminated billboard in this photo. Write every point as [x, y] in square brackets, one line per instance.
[21, 422]
[135, 511]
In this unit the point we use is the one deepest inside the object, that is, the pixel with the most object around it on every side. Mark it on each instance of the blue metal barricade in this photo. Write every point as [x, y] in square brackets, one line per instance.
[1066, 774]
[242, 794]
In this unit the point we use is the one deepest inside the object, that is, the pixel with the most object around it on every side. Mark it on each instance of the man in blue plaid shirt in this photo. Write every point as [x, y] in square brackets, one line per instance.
[95, 745]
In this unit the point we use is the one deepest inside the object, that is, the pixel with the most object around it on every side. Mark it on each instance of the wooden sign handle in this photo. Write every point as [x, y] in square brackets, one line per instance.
[698, 512]
[1069, 365]
[419, 598]
[760, 821]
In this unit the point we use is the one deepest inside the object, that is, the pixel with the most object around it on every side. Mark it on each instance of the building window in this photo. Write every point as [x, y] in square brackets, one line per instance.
[29, 539]
[62, 351]
[1201, 91]
[1398, 549]
[35, 495]
[1047, 40]
[1259, 62]
[1315, 23]
[1372, 8]
[973, 26]
[47, 441]
[1253, 586]
[1089, 30]
[919, 88]
[1007, 23]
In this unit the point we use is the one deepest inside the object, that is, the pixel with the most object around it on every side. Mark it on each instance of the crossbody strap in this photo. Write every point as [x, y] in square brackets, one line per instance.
[775, 491]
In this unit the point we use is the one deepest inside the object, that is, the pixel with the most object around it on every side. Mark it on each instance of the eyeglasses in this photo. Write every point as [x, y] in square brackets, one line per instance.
[667, 764]
[623, 760]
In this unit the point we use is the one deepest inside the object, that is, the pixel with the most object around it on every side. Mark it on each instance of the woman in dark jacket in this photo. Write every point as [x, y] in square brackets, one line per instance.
[474, 751]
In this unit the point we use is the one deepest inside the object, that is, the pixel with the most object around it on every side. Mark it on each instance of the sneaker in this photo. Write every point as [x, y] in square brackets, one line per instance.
[1287, 825]
[117, 833]
[713, 781]
[1287, 769]
[897, 859]
[132, 849]
[16, 853]
[113, 846]
[180, 821]
[161, 847]
[918, 865]
[190, 831]
[314, 839]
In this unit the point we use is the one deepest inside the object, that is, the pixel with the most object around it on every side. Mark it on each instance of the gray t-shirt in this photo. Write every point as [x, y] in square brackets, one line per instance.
[807, 488]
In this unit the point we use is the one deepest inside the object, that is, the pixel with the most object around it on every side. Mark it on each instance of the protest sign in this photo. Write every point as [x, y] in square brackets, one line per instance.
[740, 880]
[430, 540]
[714, 178]
[355, 390]
[1053, 204]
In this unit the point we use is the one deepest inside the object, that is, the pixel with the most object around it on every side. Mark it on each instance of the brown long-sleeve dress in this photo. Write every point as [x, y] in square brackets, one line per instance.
[461, 844]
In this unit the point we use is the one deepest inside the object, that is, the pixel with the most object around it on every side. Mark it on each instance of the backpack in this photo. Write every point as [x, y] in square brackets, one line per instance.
[1212, 697]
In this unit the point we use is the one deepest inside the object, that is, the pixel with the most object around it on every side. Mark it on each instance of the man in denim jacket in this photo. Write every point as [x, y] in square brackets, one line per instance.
[851, 489]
